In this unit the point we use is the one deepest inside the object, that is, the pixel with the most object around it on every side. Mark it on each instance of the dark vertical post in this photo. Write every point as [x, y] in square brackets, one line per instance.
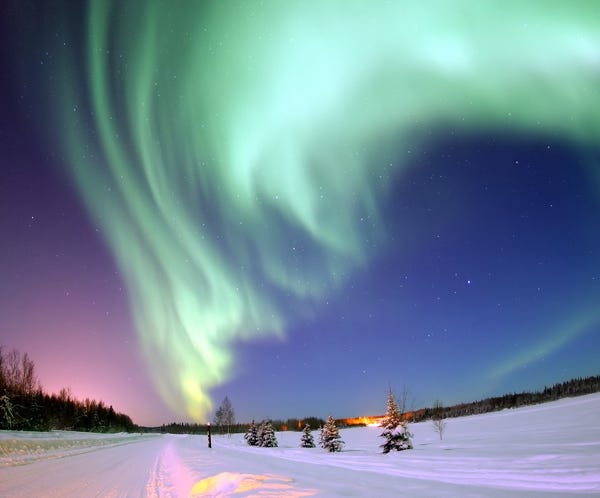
[209, 440]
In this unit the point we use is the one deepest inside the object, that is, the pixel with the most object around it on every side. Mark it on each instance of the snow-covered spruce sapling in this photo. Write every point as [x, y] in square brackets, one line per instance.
[330, 436]
[259, 433]
[268, 439]
[307, 438]
[251, 435]
[395, 430]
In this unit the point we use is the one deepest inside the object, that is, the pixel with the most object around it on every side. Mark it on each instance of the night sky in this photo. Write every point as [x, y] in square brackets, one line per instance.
[299, 204]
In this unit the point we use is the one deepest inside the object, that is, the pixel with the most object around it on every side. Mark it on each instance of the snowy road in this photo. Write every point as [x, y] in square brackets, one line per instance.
[122, 470]
[180, 466]
[545, 450]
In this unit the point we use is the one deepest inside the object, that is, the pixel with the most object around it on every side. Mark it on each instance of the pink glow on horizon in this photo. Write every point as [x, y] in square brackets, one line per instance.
[79, 340]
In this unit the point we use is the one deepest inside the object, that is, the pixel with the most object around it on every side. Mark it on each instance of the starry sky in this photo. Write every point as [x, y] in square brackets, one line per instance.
[299, 204]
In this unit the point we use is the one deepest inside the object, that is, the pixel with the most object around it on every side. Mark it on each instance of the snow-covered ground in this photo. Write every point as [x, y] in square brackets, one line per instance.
[544, 450]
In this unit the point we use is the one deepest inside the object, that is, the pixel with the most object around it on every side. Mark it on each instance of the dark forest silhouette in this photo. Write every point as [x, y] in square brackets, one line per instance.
[569, 388]
[25, 406]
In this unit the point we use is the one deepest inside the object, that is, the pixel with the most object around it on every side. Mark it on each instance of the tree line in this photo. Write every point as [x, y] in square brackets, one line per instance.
[224, 423]
[292, 424]
[25, 406]
[573, 387]
[224, 420]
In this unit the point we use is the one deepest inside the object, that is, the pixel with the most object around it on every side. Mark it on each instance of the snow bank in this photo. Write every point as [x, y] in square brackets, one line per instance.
[20, 448]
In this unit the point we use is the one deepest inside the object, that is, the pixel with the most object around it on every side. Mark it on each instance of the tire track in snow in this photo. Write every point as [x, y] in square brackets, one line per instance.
[170, 476]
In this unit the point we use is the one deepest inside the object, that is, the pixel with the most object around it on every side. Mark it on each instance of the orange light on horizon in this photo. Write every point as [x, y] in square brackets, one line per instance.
[368, 421]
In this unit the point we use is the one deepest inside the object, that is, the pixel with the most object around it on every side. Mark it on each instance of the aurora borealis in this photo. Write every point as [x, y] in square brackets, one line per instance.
[402, 185]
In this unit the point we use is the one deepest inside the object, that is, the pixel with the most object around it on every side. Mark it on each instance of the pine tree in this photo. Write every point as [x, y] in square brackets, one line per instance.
[395, 429]
[251, 436]
[307, 438]
[267, 435]
[330, 436]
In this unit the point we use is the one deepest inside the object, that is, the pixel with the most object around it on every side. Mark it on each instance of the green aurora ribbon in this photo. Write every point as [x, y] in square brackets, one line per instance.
[234, 152]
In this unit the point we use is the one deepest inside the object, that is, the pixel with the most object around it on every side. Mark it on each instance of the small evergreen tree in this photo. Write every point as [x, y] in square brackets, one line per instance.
[395, 429]
[251, 436]
[259, 433]
[307, 438]
[321, 436]
[267, 437]
[330, 436]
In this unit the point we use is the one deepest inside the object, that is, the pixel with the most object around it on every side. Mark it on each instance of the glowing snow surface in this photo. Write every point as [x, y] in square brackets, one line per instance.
[544, 450]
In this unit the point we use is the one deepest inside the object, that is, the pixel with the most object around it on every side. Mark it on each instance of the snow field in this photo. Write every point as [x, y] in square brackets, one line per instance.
[551, 449]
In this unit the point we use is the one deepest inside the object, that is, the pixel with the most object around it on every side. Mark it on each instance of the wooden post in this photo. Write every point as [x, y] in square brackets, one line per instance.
[209, 440]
